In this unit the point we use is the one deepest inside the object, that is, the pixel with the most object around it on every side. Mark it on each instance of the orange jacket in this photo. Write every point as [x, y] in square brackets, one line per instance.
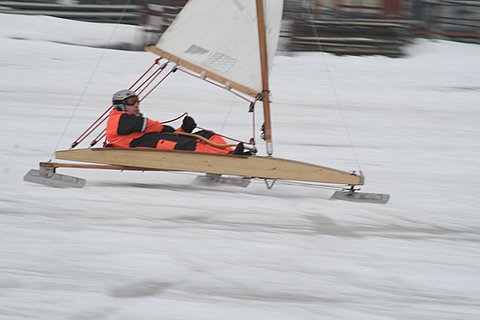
[123, 127]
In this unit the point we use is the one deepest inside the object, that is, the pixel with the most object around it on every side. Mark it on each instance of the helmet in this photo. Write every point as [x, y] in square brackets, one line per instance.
[118, 99]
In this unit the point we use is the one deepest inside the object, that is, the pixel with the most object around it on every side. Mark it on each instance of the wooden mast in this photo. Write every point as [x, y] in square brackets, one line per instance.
[264, 70]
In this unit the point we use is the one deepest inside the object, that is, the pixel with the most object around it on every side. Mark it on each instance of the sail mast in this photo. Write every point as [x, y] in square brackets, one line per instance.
[264, 70]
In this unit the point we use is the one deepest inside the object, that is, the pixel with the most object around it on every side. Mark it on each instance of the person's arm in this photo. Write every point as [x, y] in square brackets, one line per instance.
[129, 123]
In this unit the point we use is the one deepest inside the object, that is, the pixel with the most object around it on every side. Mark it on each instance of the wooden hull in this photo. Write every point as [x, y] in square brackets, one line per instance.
[245, 166]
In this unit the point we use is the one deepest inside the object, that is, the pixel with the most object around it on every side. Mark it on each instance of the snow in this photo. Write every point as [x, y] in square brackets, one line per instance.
[135, 245]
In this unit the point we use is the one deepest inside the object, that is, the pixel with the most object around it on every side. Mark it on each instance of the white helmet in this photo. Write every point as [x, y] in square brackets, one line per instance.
[119, 97]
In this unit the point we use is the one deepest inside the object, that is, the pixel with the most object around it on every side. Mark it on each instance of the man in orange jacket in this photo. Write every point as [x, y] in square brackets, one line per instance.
[128, 128]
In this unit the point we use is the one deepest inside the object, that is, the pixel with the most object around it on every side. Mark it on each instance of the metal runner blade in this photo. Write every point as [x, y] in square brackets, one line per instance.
[380, 198]
[54, 179]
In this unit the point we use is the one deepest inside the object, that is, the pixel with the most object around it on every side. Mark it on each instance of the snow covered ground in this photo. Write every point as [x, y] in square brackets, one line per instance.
[156, 246]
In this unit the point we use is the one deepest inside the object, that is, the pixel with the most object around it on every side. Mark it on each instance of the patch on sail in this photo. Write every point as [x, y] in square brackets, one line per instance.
[194, 49]
[214, 60]
[220, 62]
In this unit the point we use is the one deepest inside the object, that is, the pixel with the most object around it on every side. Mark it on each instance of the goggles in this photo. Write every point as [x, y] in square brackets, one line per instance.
[131, 100]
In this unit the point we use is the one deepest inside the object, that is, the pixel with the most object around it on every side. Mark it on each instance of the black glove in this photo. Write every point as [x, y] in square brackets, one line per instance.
[188, 124]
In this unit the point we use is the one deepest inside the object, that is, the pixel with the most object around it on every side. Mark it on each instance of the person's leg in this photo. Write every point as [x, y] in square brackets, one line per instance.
[202, 146]
[210, 135]
[164, 141]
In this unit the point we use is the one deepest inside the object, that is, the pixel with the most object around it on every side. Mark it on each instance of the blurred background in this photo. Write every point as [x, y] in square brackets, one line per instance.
[353, 27]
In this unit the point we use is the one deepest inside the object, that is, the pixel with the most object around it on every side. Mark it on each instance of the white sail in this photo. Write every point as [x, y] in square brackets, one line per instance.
[219, 39]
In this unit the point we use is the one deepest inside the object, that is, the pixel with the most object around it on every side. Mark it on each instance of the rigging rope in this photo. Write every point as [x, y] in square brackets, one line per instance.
[215, 84]
[252, 140]
[330, 78]
[156, 62]
[104, 116]
[159, 82]
[252, 110]
[80, 99]
[224, 136]
[103, 133]
[150, 80]
[175, 119]
[142, 87]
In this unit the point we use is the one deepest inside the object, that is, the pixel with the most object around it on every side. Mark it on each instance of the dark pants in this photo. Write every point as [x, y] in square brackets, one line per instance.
[150, 140]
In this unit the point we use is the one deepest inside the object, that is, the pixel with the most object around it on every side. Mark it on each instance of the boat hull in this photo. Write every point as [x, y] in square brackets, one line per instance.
[245, 166]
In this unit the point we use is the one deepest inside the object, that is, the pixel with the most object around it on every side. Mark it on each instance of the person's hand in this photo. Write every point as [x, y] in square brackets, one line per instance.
[188, 124]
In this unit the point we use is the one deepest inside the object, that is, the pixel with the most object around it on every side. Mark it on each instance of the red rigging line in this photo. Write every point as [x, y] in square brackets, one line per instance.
[150, 76]
[157, 61]
[215, 84]
[99, 137]
[150, 79]
[159, 82]
[252, 104]
[155, 75]
[175, 119]
[104, 115]
[90, 129]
